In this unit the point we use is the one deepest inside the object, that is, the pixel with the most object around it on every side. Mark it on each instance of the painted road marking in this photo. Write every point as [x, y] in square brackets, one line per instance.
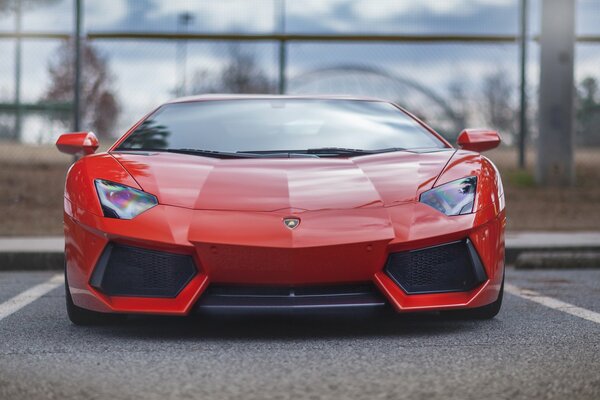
[553, 303]
[14, 304]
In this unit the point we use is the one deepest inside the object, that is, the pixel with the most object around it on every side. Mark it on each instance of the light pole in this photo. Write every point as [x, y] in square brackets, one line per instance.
[183, 21]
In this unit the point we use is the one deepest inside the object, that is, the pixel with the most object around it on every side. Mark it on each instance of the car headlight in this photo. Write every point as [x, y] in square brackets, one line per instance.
[452, 198]
[122, 202]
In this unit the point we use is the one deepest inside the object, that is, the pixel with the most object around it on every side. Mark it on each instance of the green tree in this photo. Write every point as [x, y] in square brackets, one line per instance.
[587, 123]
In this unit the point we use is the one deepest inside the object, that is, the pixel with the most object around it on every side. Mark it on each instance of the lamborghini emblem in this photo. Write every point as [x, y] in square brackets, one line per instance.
[291, 223]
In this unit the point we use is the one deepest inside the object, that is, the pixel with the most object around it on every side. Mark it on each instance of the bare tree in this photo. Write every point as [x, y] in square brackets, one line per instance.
[241, 74]
[457, 93]
[499, 109]
[100, 107]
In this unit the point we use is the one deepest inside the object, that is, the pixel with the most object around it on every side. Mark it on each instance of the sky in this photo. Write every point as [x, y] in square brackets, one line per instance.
[145, 73]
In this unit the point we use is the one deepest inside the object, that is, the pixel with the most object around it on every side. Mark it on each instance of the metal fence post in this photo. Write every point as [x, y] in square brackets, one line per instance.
[77, 68]
[282, 48]
[282, 66]
[523, 88]
[18, 66]
[181, 55]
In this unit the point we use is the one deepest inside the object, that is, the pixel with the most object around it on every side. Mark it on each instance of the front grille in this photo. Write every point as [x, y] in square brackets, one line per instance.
[314, 296]
[453, 267]
[132, 271]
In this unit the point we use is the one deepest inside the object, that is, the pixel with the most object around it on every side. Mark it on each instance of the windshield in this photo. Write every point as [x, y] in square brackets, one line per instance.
[341, 127]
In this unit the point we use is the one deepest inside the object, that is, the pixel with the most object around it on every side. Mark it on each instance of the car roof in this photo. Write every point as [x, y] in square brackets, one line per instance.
[228, 96]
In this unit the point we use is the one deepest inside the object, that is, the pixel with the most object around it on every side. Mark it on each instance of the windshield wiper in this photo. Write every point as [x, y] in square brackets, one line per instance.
[322, 152]
[316, 152]
[343, 151]
[213, 153]
[205, 153]
[280, 153]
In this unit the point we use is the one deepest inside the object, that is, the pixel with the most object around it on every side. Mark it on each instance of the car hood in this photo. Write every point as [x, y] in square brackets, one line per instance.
[267, 184]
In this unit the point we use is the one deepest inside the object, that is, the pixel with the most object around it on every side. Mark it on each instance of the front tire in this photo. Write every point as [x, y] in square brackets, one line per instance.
[81, 316]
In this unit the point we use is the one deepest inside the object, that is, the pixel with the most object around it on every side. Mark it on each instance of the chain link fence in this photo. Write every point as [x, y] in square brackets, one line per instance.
[451, 83]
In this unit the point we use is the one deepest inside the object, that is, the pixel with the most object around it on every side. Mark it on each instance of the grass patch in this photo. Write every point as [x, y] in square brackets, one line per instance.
[520, 178]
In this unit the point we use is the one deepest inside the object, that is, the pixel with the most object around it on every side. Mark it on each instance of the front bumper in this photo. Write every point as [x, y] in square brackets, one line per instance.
[250, 249]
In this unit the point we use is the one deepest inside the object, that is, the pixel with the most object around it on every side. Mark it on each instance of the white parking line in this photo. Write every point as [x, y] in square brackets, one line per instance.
[14, 304]
[553, 303]
[21, 300]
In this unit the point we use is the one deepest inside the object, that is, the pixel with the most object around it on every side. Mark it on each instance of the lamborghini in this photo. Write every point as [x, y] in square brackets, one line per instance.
[221, 202]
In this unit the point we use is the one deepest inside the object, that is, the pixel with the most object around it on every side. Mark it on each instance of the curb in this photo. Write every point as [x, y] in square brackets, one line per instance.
[521, 258]
[558, 260]
[523, 250]
[31, 261]
[512, 254]
[32, 253]
[532, 249]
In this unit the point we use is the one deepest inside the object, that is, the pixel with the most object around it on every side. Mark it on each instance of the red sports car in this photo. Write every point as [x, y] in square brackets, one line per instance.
[282, 202]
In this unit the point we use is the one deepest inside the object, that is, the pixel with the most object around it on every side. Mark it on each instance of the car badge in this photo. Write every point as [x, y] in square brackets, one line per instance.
[291, 223]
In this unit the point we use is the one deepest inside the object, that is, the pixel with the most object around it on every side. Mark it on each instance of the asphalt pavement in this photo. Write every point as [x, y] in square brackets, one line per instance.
[544, 344]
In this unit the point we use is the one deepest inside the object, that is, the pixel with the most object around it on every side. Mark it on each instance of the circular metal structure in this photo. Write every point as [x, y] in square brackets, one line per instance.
[425, 102]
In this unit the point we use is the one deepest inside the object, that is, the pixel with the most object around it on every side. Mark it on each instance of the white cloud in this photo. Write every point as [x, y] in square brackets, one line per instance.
[388, 9]
[224, 14]
[313, 8]
[375, 10]
[53, 17]
[587, 59]
[104, 14]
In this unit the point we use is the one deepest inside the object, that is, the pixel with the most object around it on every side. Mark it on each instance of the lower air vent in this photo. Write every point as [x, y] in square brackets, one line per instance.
[133, 271]
[453, 267]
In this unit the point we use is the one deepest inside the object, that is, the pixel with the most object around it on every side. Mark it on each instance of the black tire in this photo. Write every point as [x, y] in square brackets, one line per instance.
[486, 312]
[81, 316]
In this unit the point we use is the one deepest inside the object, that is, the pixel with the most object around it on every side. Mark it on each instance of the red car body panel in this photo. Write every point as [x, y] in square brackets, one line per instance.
[78, 143]
[227, 214]
[275, 184]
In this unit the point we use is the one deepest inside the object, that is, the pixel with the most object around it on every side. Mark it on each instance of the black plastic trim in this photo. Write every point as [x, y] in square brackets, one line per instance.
[97, 279]
[100, 270]
[108, 213]
[289, 297]
[477, 268]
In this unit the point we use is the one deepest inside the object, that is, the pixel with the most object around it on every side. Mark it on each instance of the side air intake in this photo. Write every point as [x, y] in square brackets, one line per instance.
[452, 267]
[133, 271]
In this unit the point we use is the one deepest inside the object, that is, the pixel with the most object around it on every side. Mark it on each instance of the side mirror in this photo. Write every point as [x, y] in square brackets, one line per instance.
[478, 139]
[77, 143]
